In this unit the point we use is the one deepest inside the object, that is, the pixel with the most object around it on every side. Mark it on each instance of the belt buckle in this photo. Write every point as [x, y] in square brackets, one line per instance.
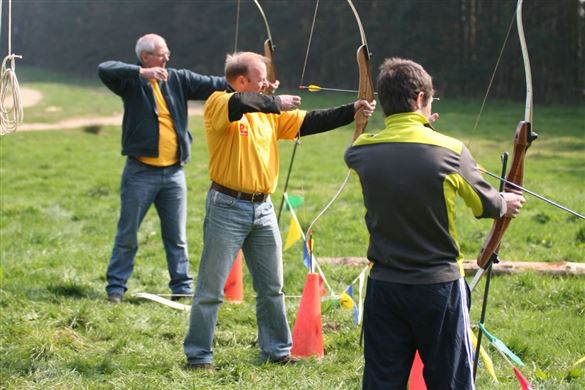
[259, 196]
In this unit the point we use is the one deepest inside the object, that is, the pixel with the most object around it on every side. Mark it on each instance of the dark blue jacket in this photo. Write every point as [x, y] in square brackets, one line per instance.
[140, 131]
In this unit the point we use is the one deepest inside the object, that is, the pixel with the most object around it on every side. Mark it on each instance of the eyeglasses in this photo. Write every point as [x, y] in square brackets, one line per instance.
[161, 55]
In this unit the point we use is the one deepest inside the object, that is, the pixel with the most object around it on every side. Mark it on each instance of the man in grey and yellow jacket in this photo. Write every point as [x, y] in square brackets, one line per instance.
[417, 297]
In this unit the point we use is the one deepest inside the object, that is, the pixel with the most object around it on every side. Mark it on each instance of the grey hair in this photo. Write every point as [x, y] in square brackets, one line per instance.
[147, 43]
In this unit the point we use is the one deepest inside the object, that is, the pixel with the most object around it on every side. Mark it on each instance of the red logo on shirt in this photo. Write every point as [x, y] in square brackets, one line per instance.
[243, 130]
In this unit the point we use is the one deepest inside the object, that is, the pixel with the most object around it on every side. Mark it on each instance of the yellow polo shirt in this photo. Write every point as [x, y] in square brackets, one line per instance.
[168, 148]
[243, 155]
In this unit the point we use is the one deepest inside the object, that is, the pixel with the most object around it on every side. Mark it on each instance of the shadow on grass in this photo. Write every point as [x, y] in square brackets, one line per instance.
[71, 289]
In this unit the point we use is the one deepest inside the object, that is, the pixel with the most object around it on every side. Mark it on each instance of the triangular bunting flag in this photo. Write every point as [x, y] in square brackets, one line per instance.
[294, 201]
[307, 254]
[345, 300]
[356, 315]
[322, 289]
[487, 361]
[523, 381]
[501, 346]
[294, 233]
[362, 282]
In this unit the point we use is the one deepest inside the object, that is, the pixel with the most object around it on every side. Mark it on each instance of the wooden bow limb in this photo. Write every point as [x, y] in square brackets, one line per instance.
[268, 48]
[365, 89]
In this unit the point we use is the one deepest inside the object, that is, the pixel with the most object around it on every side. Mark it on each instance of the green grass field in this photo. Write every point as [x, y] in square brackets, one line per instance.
[59, 207]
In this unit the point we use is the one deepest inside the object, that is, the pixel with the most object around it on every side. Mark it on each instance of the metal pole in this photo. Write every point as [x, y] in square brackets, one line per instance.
[493, 259]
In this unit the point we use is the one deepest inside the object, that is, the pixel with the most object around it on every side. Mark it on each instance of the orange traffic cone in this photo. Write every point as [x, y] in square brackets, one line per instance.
[307, 337]
[233, 291]
[417, 381]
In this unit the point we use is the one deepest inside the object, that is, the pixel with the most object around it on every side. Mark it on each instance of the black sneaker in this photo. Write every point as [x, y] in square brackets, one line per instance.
[287, 359]
[180, 297]
[199, 366]
[115, 298]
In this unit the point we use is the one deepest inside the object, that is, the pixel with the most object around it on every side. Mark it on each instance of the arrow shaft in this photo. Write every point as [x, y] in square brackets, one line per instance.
[551, 202]
[317, 89]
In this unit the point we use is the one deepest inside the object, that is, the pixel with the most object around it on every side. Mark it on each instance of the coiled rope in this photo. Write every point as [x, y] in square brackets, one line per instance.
[11, 114]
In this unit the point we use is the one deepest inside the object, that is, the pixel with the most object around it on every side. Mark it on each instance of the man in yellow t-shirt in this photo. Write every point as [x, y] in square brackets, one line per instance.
[243, 127]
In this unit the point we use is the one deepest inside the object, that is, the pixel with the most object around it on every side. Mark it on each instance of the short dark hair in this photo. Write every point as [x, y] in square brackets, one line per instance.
[399, 83]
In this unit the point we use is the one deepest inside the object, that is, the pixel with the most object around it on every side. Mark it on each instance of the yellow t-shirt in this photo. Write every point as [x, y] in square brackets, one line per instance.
[168, 148]
[243, 155]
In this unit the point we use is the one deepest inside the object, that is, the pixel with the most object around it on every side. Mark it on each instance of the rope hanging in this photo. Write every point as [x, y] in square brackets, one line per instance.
[11, 115]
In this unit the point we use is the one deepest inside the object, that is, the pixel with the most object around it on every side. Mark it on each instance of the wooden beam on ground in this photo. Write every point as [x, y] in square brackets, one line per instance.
[470, 266]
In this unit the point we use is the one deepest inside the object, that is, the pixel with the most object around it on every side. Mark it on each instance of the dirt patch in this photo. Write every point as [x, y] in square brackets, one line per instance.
[31, 97]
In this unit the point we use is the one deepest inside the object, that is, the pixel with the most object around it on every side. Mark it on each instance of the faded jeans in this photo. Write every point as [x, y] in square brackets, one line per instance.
[141, 186]
[231, 224]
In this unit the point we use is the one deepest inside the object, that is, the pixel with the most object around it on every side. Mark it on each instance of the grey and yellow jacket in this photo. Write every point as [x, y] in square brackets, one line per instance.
[410, 177]
[140, 128]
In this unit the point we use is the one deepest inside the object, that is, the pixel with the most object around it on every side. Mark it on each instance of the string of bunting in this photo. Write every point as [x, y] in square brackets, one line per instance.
[346, 298]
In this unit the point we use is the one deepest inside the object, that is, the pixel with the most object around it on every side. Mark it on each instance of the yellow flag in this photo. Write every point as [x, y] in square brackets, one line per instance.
[487, 361]
[345, 301]
[294, 233]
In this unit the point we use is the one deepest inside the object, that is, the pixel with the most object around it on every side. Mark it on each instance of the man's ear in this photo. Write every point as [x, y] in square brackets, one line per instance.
[143, 55]
[240, 81]
[420, 100]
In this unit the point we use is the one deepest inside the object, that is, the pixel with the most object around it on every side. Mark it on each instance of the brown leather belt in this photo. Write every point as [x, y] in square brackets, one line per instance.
[257, 197]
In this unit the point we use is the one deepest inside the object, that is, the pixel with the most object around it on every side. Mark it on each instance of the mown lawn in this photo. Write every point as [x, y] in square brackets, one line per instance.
[59, 207]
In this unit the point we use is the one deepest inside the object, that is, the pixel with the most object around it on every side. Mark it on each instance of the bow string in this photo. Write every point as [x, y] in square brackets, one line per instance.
[366, 92]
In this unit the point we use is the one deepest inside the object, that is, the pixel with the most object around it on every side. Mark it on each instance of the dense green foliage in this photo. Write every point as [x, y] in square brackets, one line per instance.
[58, 211]
[457, 39]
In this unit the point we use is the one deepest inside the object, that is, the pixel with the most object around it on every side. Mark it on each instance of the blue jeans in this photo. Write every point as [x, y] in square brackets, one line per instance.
[142, 185]
[231, 224]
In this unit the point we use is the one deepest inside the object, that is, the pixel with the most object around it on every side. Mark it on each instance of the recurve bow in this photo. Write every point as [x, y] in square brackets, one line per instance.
[522, 140]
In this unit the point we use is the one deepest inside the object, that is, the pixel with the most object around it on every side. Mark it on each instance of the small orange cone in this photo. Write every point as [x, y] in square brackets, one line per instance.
[417, 381]
[233, 291]
[307, 337]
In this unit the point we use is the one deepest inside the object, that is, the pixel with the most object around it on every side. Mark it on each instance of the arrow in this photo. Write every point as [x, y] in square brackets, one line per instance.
[318, 88]
[514, 185]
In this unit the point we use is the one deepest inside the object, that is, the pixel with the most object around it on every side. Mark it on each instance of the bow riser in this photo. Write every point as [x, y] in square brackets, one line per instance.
[365, 90]
[522, 141]
[268, 53]
[493, 243]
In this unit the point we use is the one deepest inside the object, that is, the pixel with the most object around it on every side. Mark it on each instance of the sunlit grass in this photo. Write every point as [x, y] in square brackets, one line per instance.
[58, 212]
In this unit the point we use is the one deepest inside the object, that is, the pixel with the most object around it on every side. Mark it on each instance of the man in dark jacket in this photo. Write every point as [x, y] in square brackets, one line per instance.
[417, 297]
[157, 142]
